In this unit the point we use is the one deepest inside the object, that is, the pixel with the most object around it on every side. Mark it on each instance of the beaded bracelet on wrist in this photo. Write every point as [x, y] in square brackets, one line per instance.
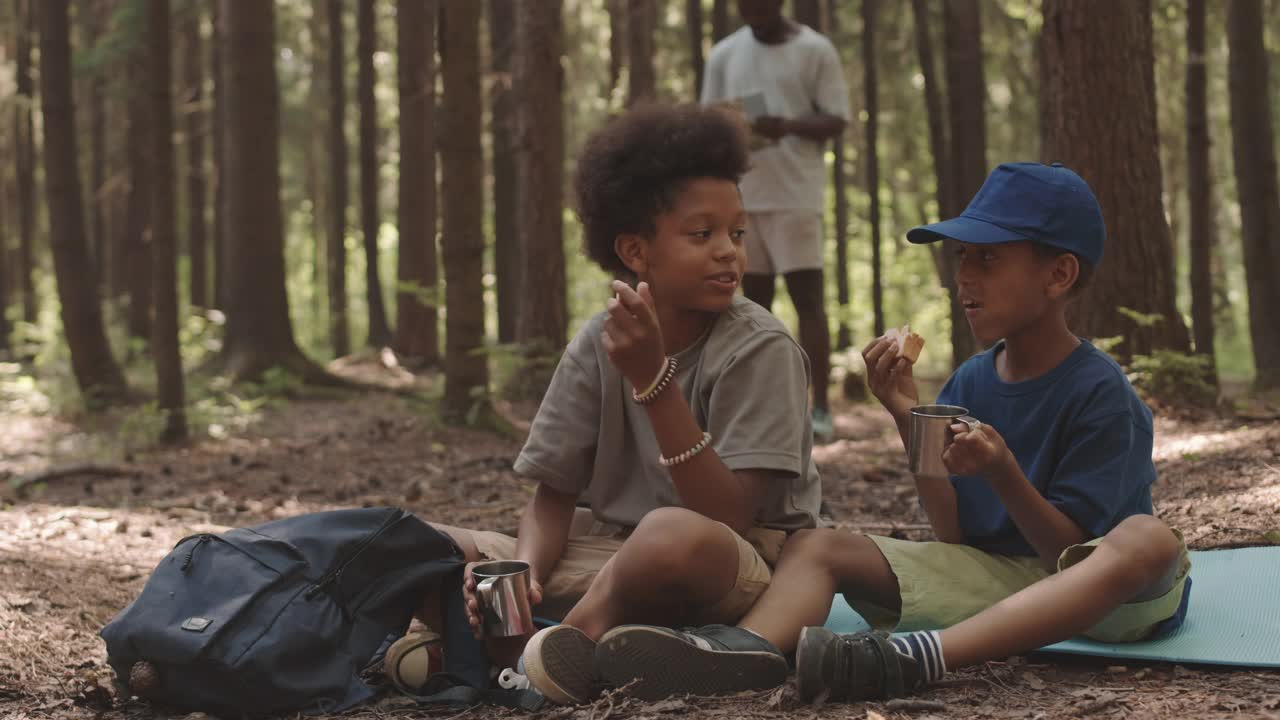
[687, 455]
[655, 389]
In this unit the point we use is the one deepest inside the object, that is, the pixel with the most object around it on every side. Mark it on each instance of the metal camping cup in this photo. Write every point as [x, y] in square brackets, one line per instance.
[930, 436]
[502, 588]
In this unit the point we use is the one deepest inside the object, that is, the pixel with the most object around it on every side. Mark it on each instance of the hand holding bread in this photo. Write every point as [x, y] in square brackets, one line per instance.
[909, 343]
[889, 360]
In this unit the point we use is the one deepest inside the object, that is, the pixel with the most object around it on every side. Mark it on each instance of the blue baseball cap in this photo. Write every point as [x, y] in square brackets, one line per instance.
[1048, 204]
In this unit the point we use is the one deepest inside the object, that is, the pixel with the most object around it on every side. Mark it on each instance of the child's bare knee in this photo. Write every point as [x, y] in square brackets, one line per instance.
[821, 546]
[1148, 546]
[666, 523]
[673, 537]
[807, 543]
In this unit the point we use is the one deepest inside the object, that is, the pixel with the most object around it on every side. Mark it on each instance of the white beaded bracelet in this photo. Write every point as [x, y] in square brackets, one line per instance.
[687, 455]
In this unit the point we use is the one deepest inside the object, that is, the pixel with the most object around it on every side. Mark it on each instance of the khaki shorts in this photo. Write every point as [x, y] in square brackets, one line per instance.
[781, 241]
[586, 554]
[943, 583]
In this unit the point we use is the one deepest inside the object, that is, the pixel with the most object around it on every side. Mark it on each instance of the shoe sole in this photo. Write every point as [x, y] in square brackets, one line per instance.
[663, 665]
[393, 663]
[560, 663]
[809, 650]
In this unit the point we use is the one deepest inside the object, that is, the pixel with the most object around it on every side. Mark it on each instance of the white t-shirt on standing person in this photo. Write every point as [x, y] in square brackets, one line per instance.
[797, 78]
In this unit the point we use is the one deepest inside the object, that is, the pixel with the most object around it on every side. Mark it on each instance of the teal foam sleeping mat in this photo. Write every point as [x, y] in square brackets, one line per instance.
[1233, 617]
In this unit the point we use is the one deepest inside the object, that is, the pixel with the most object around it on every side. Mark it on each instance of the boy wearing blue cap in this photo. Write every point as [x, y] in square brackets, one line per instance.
[1044, 527]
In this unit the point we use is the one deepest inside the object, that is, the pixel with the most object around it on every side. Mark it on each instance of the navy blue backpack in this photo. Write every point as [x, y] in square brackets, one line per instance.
[287, 616]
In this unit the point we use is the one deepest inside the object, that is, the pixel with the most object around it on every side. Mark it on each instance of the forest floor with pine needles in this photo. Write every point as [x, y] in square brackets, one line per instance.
[76, 547]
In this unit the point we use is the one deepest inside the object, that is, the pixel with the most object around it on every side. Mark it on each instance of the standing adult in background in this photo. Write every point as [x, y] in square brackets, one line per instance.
[787, 79]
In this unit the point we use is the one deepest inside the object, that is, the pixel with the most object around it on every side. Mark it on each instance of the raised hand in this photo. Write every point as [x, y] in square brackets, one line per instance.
[631, 334]
[889, 376]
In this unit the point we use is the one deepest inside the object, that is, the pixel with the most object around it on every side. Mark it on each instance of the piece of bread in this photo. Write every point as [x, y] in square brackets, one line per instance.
[909, 343]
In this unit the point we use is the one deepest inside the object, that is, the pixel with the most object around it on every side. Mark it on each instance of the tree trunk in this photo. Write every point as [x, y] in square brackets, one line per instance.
[417, 317]
[720, 20]
[693, 16]
[95, 24]
[462, 170]
[137, 238]
[641, 80]
[339, 335]
[1253, 146]
[618, 11]
[193, 111]
[1199, 189]
[807, 12]
[317, 170]
[502, 127]
[1101, 122]
[25, 137]
[219, 132]
[116, 264]
[5, 327]
[96, 371]
[944, 262]
[544, 315]
[839, 183]
[967, 166]
[873, 163]
[259, 333]
[934, 112]
[164, 338]
[366, 36]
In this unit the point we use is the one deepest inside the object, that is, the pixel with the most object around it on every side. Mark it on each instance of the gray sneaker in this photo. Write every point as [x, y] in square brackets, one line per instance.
[861, 666]
[709, 660]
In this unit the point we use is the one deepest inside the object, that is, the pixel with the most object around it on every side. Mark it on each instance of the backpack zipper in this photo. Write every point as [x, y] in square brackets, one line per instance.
[191, 552]
[336, 572]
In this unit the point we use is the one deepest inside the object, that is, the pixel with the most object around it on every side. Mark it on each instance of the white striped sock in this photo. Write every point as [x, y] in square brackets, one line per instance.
[925, 648]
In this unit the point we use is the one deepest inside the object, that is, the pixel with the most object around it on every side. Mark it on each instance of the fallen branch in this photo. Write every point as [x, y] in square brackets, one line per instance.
[22, 483]
[1101, 703]
[911, 705]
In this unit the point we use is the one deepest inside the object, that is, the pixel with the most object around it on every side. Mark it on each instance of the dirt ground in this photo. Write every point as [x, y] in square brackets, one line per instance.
[76, 548]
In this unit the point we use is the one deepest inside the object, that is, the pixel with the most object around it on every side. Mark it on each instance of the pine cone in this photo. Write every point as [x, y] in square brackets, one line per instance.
[143, 677]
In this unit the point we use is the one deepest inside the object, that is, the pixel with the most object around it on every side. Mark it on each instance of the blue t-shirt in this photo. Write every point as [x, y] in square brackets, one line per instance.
[1079, 432]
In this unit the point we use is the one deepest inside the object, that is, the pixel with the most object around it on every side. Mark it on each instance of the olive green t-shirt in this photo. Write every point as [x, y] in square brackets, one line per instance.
[746, 382]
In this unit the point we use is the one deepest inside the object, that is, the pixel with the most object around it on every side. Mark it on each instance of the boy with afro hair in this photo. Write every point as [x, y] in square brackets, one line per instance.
[679, 413]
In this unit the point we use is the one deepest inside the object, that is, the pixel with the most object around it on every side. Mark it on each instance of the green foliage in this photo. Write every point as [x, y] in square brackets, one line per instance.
[125, 29]
[275, 384]
[1108, 344]
[426, 296]
[19, 391]
[141, 426]
[1141, 319]
[1173, 378]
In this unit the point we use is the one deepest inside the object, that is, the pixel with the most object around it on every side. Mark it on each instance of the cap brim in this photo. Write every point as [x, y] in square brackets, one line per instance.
[965, 229]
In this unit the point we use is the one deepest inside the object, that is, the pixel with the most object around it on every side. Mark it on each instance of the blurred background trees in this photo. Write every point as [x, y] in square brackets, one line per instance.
[466, 117]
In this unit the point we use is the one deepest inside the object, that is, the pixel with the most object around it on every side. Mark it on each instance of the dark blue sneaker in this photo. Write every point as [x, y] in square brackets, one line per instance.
[709, 660]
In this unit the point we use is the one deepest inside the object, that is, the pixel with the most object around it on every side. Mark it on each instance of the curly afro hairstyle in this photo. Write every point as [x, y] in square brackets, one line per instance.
[632, 169]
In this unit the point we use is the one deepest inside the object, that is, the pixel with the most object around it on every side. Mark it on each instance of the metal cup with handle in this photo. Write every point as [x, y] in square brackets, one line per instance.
[930, 436]
[502, 587]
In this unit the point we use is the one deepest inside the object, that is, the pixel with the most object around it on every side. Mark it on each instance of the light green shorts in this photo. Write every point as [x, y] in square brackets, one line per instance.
[943, 583]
